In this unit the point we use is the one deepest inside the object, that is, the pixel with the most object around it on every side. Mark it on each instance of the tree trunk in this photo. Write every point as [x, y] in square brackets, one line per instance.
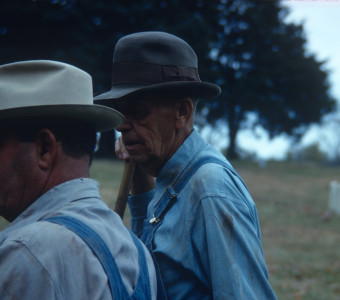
[233, 129]
[231, 153]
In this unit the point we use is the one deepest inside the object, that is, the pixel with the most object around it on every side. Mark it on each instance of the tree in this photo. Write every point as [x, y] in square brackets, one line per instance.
[242, 45]
[329, 142]
[68, 31]
[263, 69]
[84, 32]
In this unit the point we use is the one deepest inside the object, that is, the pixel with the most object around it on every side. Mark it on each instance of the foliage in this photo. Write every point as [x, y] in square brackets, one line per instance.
[310, 153]
[263, 69]
[328, 137]
[83, 33]
[242, 45]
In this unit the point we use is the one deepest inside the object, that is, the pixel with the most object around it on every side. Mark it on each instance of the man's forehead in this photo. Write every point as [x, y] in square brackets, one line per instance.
[125, 103]
[140, 101]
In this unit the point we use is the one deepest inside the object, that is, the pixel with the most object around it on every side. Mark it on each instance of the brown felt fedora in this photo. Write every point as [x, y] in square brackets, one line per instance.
[45, 88]
[155, 62]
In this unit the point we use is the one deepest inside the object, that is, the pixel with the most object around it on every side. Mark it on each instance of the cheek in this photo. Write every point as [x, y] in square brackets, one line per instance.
[11, 186]
[157, 130]
[16, 174]
[9, 171]
[157, 135]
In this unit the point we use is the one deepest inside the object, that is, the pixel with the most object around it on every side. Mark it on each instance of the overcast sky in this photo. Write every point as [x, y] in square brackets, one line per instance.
[321, 22]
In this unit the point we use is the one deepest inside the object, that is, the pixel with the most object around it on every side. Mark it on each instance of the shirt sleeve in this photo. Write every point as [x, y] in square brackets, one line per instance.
[236, 262]
[138, 205]
[231, 248]
[22, 276]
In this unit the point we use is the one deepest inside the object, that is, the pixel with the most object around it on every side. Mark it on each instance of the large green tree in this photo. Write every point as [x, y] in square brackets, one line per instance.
[263, 68]
[84, 32]
[242, 45]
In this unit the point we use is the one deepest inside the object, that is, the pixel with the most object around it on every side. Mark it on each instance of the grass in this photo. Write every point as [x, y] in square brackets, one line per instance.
[109, 174]
[301, 239]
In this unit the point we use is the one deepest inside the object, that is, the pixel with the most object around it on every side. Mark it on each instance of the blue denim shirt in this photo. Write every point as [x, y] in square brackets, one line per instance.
[41, 260]
[208, 245]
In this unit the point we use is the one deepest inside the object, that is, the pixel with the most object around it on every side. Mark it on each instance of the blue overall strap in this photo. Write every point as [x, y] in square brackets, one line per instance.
[98, 246]
[171, 193]
[143, 289]
[167, 199]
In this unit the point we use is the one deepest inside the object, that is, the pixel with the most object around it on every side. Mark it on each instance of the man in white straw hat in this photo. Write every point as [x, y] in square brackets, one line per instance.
[63, 242]
[200, 222]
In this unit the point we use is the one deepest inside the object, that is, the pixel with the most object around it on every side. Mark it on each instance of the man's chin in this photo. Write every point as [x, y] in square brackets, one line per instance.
[137, 157]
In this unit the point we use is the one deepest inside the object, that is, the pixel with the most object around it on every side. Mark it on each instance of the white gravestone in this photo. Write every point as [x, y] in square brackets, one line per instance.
[334, 197]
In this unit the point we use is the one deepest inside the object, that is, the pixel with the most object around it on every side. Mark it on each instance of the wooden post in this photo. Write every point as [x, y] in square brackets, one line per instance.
[124, 188]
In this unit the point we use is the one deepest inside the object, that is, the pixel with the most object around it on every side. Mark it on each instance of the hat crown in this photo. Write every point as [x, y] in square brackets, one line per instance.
[50, 89]
[155, 62]
[155, 47]
[42, 82]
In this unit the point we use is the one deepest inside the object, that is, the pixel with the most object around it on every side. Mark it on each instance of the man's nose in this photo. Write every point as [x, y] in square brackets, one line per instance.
[126, 125]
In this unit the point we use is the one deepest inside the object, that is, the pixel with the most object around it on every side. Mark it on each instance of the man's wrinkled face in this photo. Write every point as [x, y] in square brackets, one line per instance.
[149, 130]
[15, 170]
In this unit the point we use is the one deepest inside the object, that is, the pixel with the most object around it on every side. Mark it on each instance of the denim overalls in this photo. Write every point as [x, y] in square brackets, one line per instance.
[98, 246]
[167, 199]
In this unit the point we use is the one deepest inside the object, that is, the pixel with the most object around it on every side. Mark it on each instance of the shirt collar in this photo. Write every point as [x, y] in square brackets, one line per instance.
[55, 198]
[179, 162]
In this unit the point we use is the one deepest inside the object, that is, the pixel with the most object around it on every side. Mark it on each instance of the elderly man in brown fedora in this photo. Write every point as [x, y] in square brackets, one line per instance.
[197, 218]
[63, 242]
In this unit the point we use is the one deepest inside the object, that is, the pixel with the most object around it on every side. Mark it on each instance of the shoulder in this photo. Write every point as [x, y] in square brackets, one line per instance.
[54, 246]
[27, 234]
[43, 240]
[216, 174]
[23, 271]
[217, 179]
[64, 257]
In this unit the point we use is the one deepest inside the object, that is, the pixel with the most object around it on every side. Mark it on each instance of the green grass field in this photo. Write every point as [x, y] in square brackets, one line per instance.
[301, 240]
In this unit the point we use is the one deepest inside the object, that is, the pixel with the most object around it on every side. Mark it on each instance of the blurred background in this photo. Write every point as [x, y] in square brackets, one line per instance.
[276, 62]
[277, 119]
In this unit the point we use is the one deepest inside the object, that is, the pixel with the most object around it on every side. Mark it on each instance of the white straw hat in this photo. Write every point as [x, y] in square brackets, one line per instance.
[44, 88]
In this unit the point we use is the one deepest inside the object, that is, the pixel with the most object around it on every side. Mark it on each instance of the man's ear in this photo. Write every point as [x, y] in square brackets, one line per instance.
[185, 110]
[46, 148]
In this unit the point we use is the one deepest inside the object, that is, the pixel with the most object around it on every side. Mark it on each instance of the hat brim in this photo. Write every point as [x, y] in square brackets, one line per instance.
[200, 90]
[100, 117]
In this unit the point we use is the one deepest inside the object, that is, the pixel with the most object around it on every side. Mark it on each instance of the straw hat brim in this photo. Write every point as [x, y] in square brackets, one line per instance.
[101, 118]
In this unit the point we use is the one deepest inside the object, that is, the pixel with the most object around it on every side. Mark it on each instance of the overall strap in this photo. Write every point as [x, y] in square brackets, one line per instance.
[143, 289]
[164, 204]
[171, 193]
[98, 246]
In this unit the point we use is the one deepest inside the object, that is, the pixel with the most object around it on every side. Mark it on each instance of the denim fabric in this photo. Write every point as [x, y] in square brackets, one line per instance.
[100, 249]
[208, 244]
[42, 260]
